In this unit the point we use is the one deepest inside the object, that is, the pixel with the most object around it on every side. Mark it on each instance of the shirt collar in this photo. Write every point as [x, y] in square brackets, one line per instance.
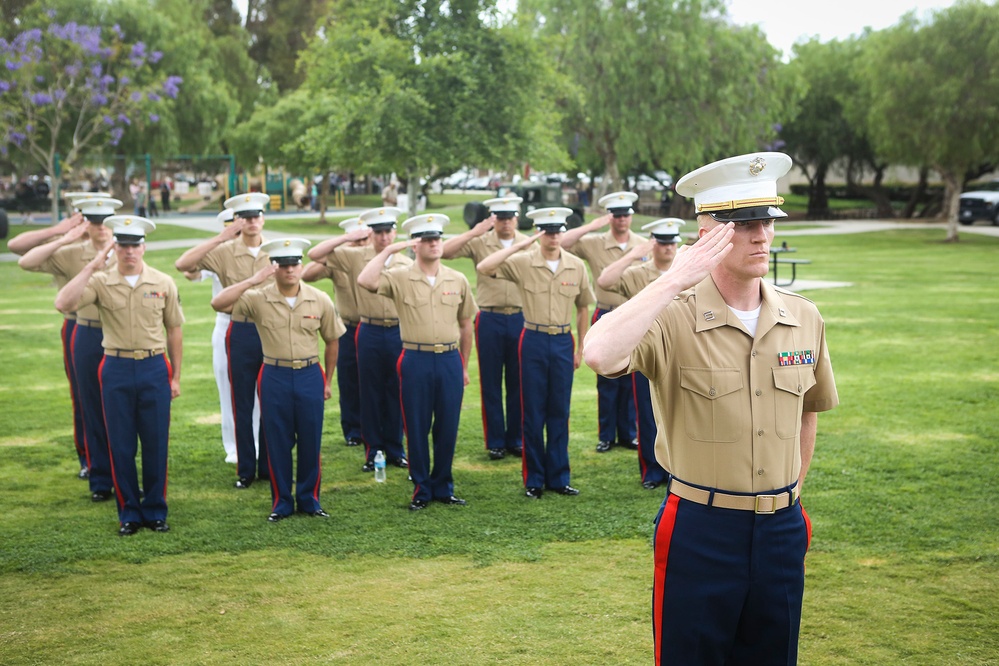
[713, 311]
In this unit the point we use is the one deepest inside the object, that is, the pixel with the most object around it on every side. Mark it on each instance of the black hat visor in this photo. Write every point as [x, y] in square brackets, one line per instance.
[748, 214]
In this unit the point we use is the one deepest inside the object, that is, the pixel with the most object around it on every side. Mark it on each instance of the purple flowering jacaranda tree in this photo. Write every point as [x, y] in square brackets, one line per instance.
[67, 89]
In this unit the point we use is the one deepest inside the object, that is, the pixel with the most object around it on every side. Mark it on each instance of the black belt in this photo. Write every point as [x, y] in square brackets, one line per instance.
[135, 354]
[349, 322]
[605, 307]
[89, 323]
[506, 311]
[296, 364]
[550, 329]
[438, 348]
[387, 323]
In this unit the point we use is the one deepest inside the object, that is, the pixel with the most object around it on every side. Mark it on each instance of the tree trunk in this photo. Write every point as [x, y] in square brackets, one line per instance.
[917, 194]
[412, 189]
[952, 202]
[324, 188]
[54, 192]
[818, 195]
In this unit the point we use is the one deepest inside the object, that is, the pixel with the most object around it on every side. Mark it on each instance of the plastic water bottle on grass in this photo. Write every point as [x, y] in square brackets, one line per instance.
[379, 467]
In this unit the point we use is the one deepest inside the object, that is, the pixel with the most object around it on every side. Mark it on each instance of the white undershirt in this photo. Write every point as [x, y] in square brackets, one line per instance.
[291, 300]
[506, 243]
[132, 279]
[432, 279]
[553, 265]
[622, 245]
[388, 260]
[749, 318]
[253, 250]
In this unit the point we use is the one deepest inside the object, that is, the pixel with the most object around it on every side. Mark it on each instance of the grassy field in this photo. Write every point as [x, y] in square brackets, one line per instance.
[904, 566]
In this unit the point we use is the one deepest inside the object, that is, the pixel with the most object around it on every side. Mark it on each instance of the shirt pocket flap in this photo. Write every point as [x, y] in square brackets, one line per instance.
[711, 383]
[794, 380]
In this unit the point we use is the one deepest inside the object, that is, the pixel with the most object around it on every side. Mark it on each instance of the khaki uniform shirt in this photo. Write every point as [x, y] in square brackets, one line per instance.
[636, 278]
[550, 299]
[428, 315]
[65, 263]
[289, 333]
[352, 260]
[134, 317]
[344, 290]
[729, 405]
[600, 251]
[232, 262]
[491, 292]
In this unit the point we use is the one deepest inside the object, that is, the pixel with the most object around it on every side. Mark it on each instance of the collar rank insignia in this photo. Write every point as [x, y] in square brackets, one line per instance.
[709, 315]
[803, 357]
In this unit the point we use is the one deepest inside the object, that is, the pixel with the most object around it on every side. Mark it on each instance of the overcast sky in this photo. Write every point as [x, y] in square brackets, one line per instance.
[787, 21]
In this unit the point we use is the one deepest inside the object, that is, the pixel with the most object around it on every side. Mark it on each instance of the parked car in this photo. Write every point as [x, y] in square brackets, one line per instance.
[980, 204]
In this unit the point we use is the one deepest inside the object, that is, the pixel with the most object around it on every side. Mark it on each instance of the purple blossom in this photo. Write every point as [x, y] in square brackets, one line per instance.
[155, 56]
[39, 79]
[116, 134]
[96, 69]
[74, 69]
[99, 99]
[154, 118]
[107, 120]
[41, 99]
[135, 97]
[123, 119]
[51, 13]
[170, 86]
[124, 80]
[138, 50]
[13, 65]
[16, 138]
[106, 81]
[59, 94]
[29, 128]
[5, 86]
[116, 29]
[153, 97]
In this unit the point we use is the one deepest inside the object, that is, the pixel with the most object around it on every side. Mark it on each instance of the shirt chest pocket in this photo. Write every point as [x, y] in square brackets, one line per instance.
[310, 324]
[115, 301]
[791, 384]
[153, 304]
[451, 299]
[713, 409]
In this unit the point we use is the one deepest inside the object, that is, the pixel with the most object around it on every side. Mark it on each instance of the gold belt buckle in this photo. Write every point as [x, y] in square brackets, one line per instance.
[554, 330]
[772, 505]
[438, 348]
[297, 364]
[140, 354]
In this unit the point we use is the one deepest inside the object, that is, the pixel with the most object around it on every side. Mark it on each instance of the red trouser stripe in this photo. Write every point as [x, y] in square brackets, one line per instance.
[664, 533]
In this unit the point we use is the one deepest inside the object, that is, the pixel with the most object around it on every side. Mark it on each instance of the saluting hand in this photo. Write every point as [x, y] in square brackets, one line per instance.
[101, 258]
[74, 233]
[264, 273]
[694, 262]
[231, 231]
[483, 227]
[358, 234]
[71, 222]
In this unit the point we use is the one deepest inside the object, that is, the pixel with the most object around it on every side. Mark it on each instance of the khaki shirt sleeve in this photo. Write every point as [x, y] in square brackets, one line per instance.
[387, 285]
[173, 315]
[585, 296]
[823, 395]
[246, 306]
[331, 327]
[468, 305]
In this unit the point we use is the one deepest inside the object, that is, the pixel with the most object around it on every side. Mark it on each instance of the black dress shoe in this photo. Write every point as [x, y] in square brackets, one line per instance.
[353, 442]
[565, 490]
[128, 529]
[515, 451]
[418, 505]
[84, 473]
[534, 493]
[368, 466]
[158, 525]
[496, 454]
[100, 496]
[456, 501]
[243, 483]
[401, 462]
[633, 445]
[650, 485]
[318, 513]
[604, 447]
[263, 477]
[276, 517]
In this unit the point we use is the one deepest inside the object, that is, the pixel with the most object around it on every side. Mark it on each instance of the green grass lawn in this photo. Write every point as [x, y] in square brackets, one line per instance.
[904, 565]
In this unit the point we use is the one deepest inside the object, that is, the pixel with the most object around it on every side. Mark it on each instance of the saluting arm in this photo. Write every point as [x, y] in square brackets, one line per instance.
[175, 349]
[313, 272]
[454, 244]
[570, 237]
[226, 299]
[370, 274]
[609, 343]
[69, 297]
[191, 260]
[611, 275]
[38, 255]
[320, 251]
[491, 264]
[21, 243]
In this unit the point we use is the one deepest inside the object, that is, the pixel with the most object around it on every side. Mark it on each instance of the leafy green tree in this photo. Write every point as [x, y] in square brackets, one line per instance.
[280, 30]
[421, 88]
[933, 89]
[671, 84]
